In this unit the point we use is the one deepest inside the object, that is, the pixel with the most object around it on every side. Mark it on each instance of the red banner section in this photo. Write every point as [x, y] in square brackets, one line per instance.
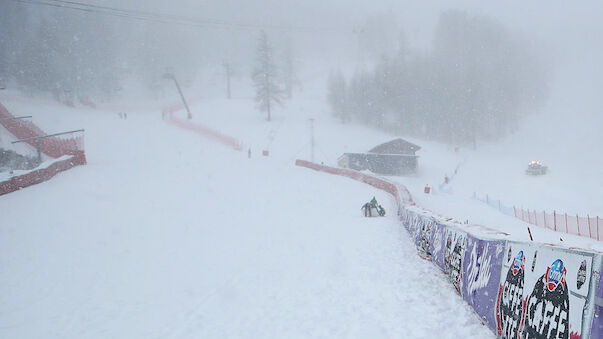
[398, 191]
[55, 147]
[591, 227]
[41, 174]
[168, 114]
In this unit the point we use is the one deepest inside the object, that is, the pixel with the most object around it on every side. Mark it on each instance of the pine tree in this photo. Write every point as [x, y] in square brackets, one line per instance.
[265, 78]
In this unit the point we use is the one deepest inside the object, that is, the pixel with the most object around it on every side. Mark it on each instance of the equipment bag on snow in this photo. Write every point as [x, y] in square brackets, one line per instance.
[372, 210]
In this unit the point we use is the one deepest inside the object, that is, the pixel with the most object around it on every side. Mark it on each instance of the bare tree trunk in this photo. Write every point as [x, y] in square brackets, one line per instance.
[268, 96]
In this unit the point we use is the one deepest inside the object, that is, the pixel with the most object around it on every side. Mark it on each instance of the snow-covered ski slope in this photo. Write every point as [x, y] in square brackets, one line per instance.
[495, 168]
[165, 234]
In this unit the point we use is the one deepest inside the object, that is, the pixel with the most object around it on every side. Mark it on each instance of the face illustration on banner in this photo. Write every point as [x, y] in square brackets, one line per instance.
[547, 313]
[510, 305]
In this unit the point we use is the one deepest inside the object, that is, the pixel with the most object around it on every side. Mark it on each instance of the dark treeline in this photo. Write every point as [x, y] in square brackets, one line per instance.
[476, 82]
[83, 56]
[79, 56]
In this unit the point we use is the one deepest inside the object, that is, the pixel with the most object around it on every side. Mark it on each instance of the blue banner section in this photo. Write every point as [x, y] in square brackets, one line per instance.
[520, 290]
[482, 263]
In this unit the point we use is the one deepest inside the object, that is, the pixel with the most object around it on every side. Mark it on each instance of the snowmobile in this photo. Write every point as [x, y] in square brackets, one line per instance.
[373, 209]
[535, 167]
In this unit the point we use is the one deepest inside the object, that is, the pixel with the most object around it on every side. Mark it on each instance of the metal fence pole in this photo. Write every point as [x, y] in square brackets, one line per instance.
[566, 226]
[555, 220]
[523, 214]
[590, 233]
[578, 223]
[38, 150]
[544, 218]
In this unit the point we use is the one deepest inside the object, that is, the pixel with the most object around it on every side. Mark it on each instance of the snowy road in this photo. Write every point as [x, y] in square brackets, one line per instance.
[169, 236]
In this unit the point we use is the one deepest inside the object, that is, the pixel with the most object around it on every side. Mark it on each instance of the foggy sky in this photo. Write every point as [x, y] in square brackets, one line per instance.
[570, 24]
[568, 35]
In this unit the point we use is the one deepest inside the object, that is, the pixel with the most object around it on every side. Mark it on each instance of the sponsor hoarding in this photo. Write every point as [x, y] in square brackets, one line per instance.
[543, 291]
[482, 263]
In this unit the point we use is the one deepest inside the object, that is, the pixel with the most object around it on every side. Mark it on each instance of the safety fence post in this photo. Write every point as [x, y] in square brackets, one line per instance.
[566, 227]
[544, 218]
[522, 215]
[590, 233]
[555, 220]
[578, 223]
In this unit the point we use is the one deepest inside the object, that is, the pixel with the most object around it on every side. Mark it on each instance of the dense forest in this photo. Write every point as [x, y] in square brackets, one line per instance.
[476, 82]
[77, 54]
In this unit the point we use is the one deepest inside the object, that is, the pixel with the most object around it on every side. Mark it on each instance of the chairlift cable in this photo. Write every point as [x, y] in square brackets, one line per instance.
[164, 18]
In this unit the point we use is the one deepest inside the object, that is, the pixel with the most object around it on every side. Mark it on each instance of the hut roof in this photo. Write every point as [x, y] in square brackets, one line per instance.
[396, 146]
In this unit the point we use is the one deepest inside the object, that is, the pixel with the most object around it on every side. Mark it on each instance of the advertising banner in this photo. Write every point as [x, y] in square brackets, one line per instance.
[413, 222]
[482, 266]
[438, 245]
[454, 255]
[597, 325]
[542, 292]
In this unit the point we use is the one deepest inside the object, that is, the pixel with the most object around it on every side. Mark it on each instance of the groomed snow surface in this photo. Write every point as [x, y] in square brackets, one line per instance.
[165, 234]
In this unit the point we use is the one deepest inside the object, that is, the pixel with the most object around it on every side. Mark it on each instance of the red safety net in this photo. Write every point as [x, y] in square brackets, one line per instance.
[588, 226]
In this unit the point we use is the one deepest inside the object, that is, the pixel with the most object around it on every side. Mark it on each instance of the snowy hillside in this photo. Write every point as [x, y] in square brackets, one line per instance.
[166, 234]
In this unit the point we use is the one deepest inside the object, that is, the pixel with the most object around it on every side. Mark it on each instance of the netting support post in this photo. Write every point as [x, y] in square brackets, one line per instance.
[38, 150]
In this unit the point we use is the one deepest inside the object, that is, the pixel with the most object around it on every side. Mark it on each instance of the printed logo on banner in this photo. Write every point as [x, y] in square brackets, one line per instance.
[510, 303]
[555, 274]
[581, 279]
[479, 269]
[518, 262]
[547, 313]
